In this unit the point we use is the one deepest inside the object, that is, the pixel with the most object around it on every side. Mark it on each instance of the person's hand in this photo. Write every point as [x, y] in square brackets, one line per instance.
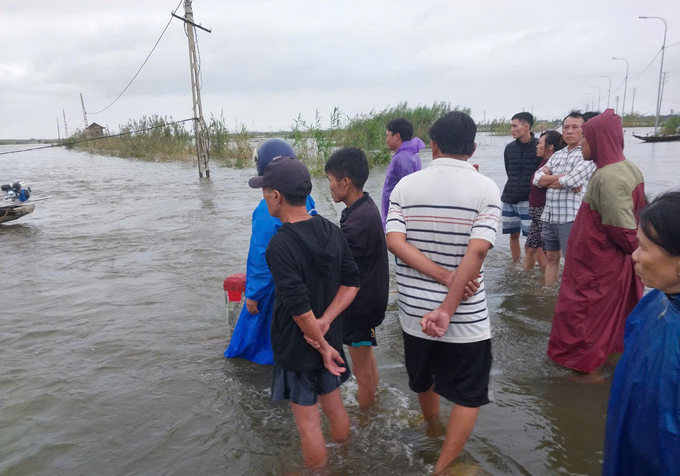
[470, 289]
[323, 327]
[252, 306]
[577, 189]
[546, 170]
[331, 359]
[435, 323]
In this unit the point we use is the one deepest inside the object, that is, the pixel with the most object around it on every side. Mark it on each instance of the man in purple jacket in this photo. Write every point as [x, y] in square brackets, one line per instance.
[405, 161]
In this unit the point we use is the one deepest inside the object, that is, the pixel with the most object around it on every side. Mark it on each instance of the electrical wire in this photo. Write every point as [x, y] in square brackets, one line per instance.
[644, 70]
[97, 138]
[142, 66]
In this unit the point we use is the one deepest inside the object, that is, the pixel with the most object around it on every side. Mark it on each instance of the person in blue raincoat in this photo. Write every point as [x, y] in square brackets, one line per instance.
[643, 418]
[251, 339]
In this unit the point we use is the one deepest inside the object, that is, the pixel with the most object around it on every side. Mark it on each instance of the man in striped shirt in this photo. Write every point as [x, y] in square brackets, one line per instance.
[441, 223]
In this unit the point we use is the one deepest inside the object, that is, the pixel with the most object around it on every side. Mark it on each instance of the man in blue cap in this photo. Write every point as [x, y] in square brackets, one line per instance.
[251, 339]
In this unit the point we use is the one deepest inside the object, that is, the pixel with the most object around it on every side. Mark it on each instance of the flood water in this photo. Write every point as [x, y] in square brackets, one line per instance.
[113, 327]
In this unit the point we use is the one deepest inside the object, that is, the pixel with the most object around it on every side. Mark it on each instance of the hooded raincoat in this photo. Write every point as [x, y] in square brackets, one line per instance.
[599, 285]
[251, 339]
[404, 162]
[643, 418]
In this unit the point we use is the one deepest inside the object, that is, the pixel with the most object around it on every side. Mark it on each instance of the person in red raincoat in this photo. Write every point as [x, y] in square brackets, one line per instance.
[599, 284]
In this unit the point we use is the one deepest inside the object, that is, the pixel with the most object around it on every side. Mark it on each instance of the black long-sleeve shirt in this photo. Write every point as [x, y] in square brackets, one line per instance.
[309, 261]
[362, 226]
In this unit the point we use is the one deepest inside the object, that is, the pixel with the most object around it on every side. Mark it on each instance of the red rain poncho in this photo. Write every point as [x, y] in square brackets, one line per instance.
[599, 284]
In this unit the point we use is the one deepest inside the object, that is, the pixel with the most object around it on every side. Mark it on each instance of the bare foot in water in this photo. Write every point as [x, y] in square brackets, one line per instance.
[463, 469]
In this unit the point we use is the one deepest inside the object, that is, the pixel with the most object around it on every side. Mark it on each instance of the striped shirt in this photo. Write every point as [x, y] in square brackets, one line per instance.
[440, 209]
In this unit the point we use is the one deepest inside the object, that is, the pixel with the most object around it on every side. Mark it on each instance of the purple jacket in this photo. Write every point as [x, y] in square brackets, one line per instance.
[404, 162]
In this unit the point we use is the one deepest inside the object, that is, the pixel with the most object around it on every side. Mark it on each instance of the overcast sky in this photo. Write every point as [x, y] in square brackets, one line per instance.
[265, 62]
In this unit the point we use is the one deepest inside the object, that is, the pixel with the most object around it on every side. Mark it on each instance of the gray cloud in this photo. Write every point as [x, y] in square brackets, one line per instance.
[265, 62]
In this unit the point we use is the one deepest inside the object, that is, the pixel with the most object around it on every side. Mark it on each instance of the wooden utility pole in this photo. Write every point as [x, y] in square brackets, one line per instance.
[65, 125]
[200, 129]
[58, 132]
[87, 131]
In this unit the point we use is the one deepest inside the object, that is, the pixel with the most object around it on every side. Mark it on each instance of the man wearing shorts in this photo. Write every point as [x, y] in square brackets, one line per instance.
[315, 278]
[347, 171]
[521, 162]
[441, 223]
[566, 177]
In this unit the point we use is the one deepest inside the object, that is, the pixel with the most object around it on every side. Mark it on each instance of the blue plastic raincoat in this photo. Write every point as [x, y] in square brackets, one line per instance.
[251, 339]
[643, 418]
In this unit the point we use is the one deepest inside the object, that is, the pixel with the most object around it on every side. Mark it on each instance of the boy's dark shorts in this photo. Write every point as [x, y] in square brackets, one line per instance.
[359, 337]
[304, 387]
[459, 372]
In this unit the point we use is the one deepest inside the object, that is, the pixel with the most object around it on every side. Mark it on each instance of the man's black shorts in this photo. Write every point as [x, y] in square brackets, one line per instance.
[459, 372]
[356, 337]
[304, 387]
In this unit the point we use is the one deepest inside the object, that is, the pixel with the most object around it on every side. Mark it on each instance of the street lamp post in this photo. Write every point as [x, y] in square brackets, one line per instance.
[609, 91]
[625, 86]
[663, 50]
[599, 94]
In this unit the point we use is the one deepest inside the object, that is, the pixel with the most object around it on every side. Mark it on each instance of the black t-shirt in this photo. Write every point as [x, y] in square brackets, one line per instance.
[362, 226]
[309, 261]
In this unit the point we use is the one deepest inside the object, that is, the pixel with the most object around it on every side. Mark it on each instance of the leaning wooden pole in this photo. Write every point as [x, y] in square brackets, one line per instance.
[87, 129]
[200, 129]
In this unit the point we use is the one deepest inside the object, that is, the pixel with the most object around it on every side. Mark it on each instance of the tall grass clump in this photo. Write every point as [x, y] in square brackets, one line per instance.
[165, 141]
[670, 127]
[367, 131]
[314, 144]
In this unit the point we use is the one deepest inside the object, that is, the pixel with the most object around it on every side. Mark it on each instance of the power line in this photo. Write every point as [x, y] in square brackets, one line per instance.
[142, 66]
[97, 138]
[674, 44]
[647, 67]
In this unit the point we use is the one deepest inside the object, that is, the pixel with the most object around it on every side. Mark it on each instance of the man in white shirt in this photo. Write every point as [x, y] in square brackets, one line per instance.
[441, 223]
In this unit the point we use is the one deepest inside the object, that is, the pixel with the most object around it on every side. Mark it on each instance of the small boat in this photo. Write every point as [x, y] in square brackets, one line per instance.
[15, 211]
[657, 138]
[15, 203]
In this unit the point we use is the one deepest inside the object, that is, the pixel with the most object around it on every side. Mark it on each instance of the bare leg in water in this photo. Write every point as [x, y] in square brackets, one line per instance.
[308, 422]
[552, 271]
[515, 250]
[461, 422]
[365, 370]
[531, 255]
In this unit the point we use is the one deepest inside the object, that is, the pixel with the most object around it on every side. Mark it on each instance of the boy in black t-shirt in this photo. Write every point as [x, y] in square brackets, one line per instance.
[316, 278]
[347, 171]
